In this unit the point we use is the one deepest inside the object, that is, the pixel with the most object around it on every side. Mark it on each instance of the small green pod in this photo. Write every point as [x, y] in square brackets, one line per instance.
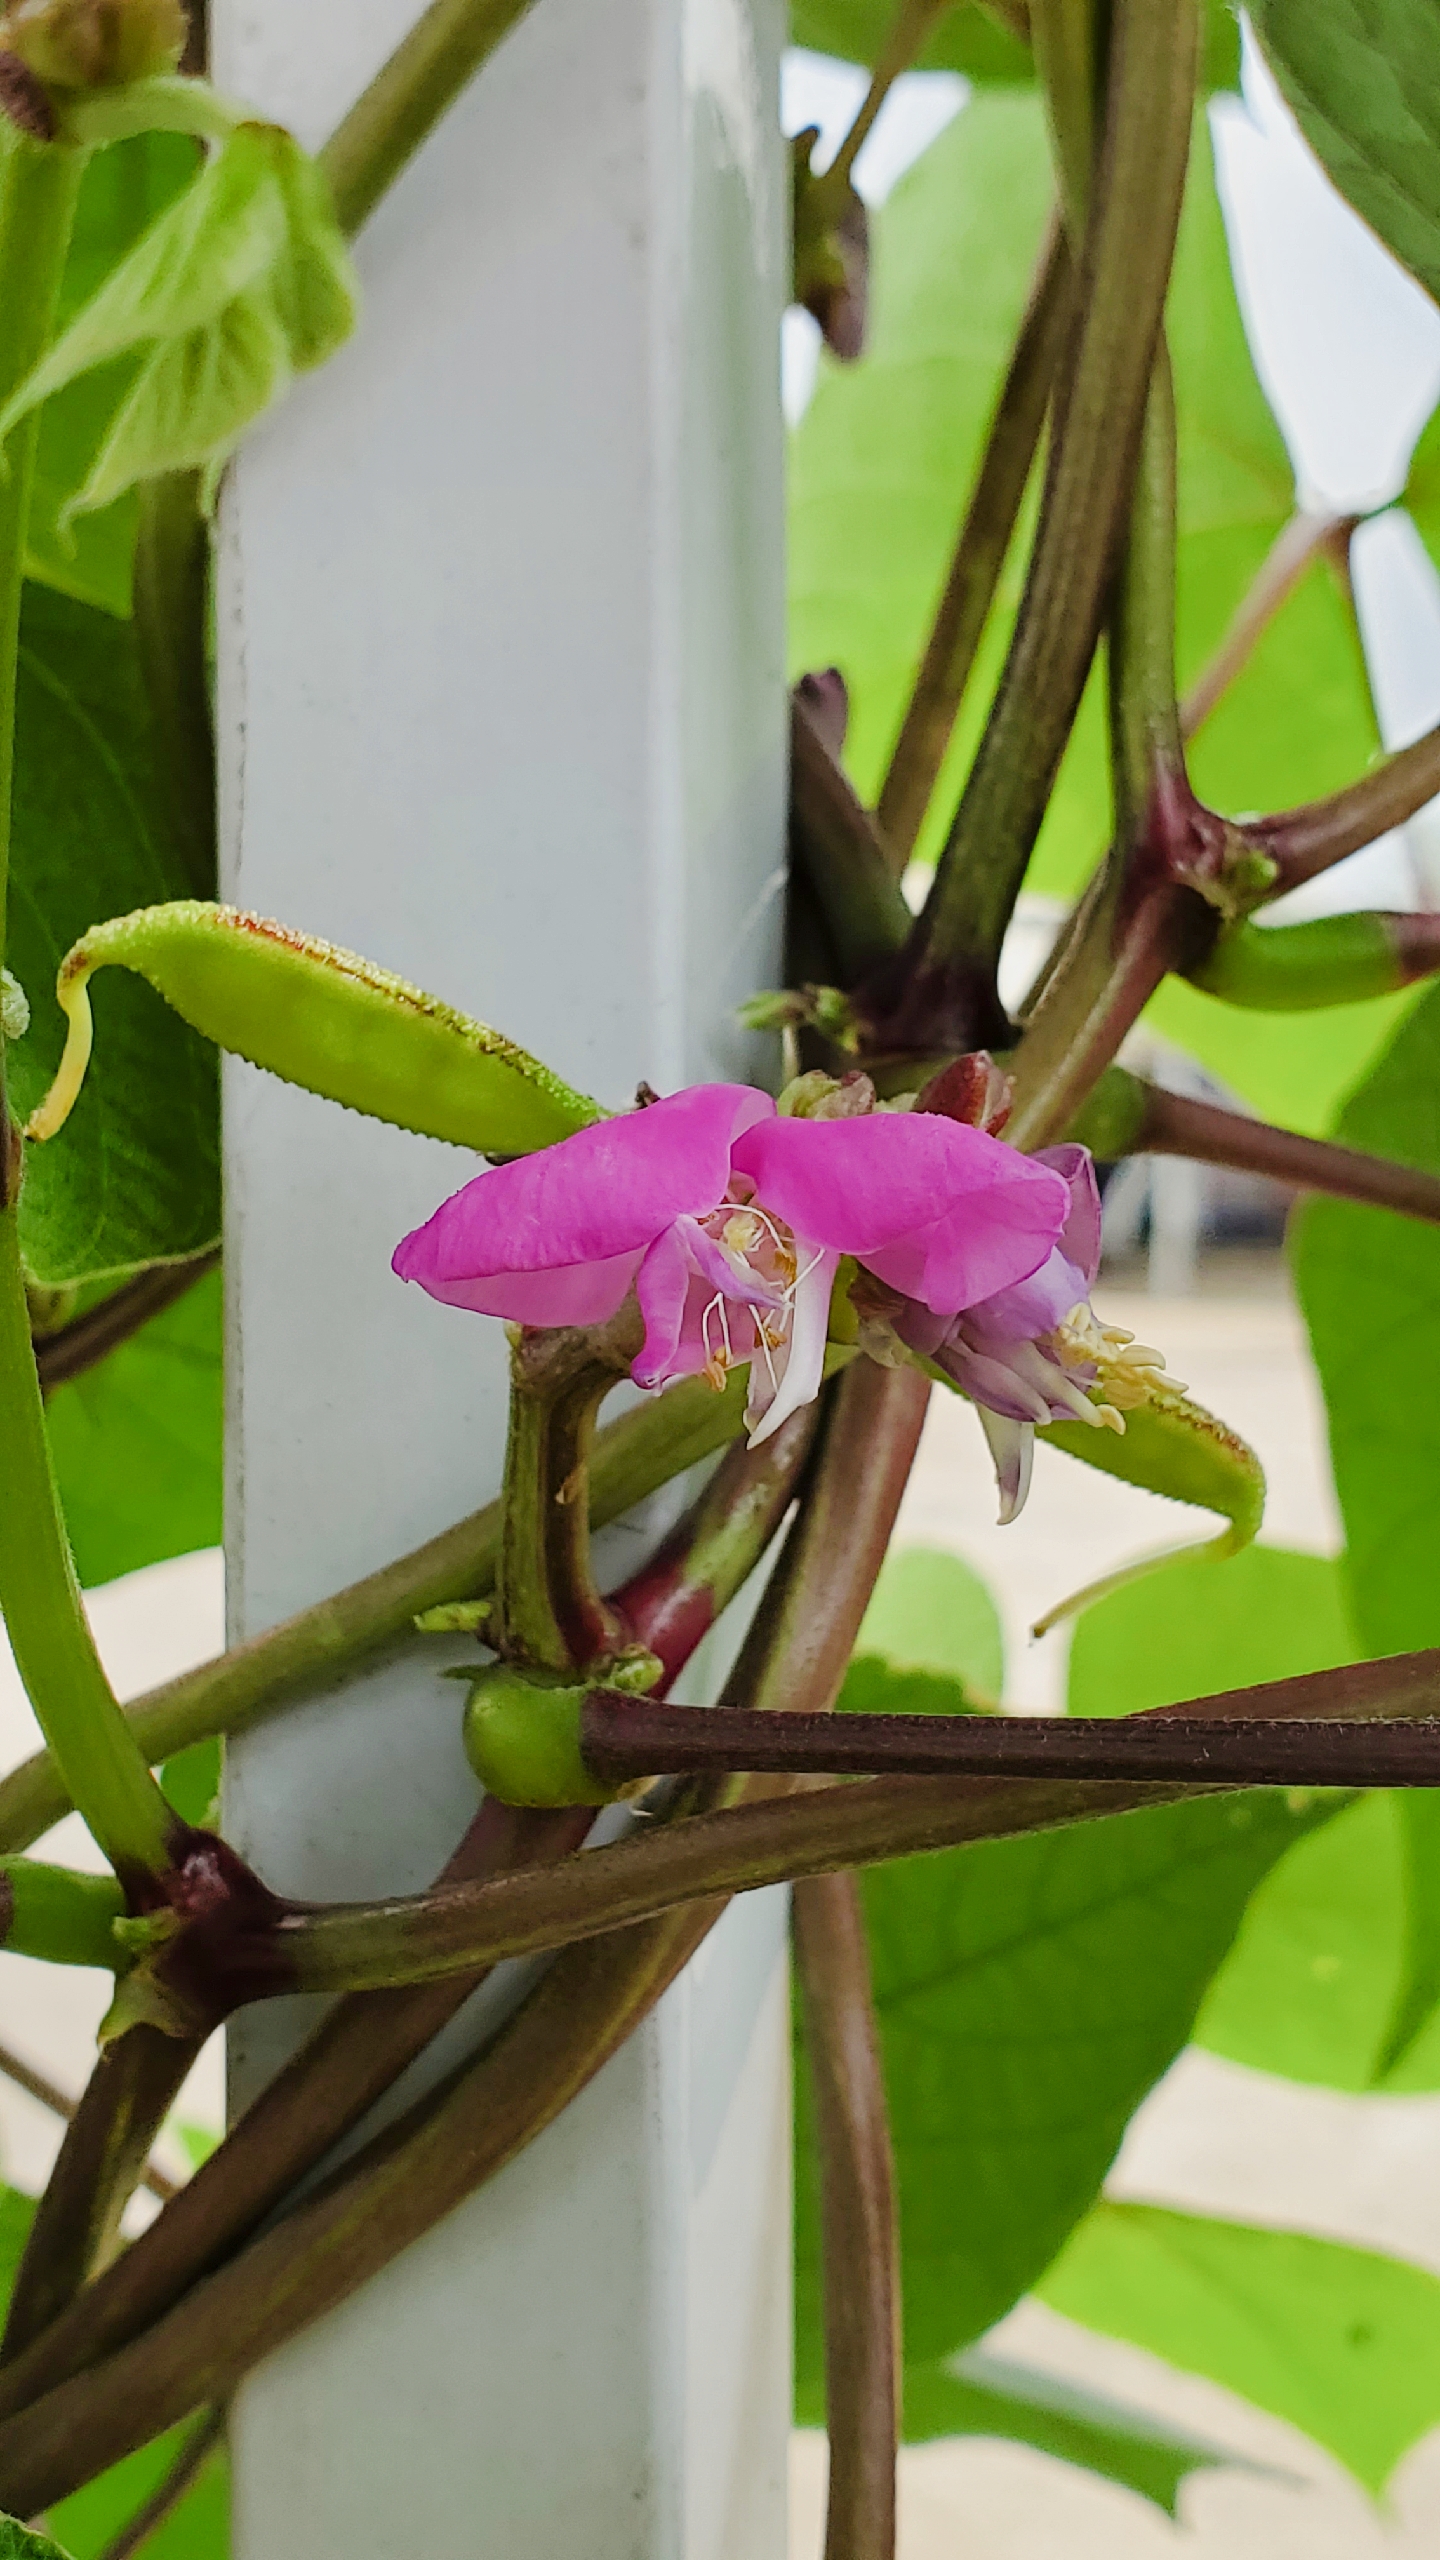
[1297, 968]
[322, 1018]
[522, 1738]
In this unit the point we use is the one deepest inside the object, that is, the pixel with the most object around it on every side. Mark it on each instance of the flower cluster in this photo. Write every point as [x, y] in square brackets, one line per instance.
[730, 1217]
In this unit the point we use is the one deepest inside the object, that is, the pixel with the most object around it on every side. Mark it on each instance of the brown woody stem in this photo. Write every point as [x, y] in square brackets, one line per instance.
[1308, 840]
[632, 1458]
[407, 2179]
[365, 2042]
[102, 2160]
[1172, 1124]
[1100, 407]
[860, 2251]
[980, 550]
[48, 2093]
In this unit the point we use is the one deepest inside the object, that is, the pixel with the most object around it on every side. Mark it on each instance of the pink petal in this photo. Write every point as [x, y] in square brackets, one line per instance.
[681, 1274]
[597, 1199]
[1080, 1235]
[940, 1211]
[585, 1295]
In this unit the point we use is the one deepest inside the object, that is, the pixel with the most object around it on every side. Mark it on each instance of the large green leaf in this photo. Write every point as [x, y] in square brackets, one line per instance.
[1342, 2343]
[1369, 1282]
[1312, 1987]
[122, 191]
[1360, 78]
[985, 2395]
[1029, 1993]
[18, 2543]
[931, 1612]
[134, 1178]
[1292, 1068]
[968, 39]
[1193, 1628]
[240, 283]
[137, 1440]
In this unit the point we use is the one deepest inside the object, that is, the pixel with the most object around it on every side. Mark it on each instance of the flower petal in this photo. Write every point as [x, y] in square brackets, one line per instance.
[603, 1194]
[1080, 1235]
[805, 1353]
[938, 1210]
[585, 1294]
[1012, 1447]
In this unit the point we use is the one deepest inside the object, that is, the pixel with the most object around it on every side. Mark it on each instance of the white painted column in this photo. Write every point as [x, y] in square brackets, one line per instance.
[501, 703]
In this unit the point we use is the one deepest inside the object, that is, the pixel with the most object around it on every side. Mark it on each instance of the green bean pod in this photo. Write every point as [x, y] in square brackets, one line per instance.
[1176, 1448]
[1296, 968]
[322, 1018]
[59, 1915]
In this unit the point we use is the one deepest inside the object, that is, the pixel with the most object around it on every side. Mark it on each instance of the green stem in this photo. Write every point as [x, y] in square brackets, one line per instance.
[1297, 968]
[102, 2161]
[1100, 412]
[39, 184]
[983, 541]
[860, 2257]
[100, 1762]
[1280, 572]
[57, 1914]
[407, 97]
[364, 2043]
[904, 37]
[548, 1611]
[633, 1457]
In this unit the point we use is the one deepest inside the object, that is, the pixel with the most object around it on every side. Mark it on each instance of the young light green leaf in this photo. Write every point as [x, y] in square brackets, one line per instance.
[136, 1442]
[978, 2394]
[121, 193]
[1360, 78]
[138, 1178]
[1342, 2343]
[243, 281]
[1029, 1993]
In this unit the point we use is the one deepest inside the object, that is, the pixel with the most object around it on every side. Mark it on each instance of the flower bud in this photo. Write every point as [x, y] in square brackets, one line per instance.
[95, 44]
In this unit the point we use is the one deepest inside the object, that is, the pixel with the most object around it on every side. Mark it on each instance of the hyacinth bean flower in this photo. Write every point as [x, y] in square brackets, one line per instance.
[729, 1222]
[1034, 1352]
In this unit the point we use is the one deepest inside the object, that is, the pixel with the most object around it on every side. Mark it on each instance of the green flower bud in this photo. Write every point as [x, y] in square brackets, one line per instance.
[95, 44]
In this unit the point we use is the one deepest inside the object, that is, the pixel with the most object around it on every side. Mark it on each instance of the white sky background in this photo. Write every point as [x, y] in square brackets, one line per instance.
[1348, 349]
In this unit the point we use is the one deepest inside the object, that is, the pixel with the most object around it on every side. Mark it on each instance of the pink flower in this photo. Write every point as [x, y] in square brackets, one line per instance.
[729, 1221]
[1032, 1352]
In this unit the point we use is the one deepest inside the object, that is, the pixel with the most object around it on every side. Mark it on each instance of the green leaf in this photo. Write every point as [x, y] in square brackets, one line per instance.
[1292, 1069]
[1359, 76]
[137, 1442]
[243, 281]
[18, 2543]
[1419, 1987]
[192, 1781]
[1029, 1993]
[931, 1612]
[197, 2529]
[1313, 1977]
[122, 191]
[985, 2395]
[135, 1178]
[970, 40]
[1342, 2343]
[1369, 1283]
[1194, 1628]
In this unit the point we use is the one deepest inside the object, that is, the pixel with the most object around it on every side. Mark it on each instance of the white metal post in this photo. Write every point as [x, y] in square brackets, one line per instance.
[501, 705]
